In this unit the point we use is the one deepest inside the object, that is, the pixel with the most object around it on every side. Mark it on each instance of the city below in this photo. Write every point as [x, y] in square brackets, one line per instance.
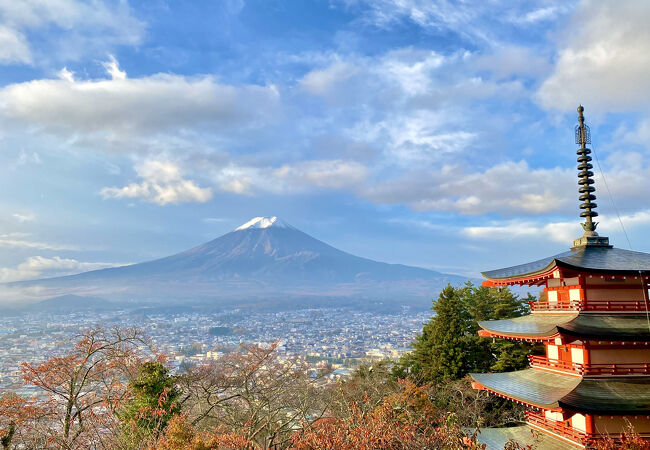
[339, 339]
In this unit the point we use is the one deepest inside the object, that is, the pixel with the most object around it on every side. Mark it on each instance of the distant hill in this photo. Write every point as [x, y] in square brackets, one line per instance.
[264, 261]
[71, 303]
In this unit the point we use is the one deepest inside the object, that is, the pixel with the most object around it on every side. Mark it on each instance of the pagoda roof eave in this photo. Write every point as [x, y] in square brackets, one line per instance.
[498, 438]
[534, 277]
[600, 327]
[585, 259]
[608, 327]
[615, 395]
[533, 387]
[531, 326]
[531, 279]
[554, 391]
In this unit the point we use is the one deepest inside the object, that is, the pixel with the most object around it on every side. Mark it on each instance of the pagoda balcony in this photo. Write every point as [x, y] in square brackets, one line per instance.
[543, 362]
[614, 305]
[590, 305]
[556, 306]
[537, 420]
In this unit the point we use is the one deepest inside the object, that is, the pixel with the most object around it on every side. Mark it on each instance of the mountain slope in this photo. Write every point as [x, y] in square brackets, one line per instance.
[264, 258]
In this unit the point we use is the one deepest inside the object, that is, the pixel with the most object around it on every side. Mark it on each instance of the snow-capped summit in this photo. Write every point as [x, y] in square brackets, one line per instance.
[264, 222]
[265, 260]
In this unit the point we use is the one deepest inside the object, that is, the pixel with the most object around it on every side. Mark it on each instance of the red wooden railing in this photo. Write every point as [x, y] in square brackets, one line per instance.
[617, 369]
[590, 305]
[545, 363]
[552, 306]
[537, 419]
[590, 369]
[614, 305]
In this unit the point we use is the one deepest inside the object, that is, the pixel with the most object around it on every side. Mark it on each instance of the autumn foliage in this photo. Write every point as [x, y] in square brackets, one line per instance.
[19, 418]
[82, 389]
[252, 393]
[404, 420]
[629, 440]
[180, 434]
[111, 391]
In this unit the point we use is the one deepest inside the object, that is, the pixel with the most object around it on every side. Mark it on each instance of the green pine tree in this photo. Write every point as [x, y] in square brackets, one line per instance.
[489, 303]
[449, 346]
[439, 352]
[153, 402]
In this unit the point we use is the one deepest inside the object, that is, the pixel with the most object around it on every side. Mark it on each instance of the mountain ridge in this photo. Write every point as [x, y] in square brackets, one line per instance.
[263, 257]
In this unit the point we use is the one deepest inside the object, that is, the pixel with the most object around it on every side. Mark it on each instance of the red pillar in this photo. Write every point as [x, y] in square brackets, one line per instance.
[589, 424]
[586, 354]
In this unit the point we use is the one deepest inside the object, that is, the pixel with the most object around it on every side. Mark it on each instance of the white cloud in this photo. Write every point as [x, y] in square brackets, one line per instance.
[424, 224]
[242, 180]
[87, 27]
[506, 188]
[545, 13]
[412, 78]
[112, 68]
[122, 106]
[66, 75]
[13, 47]
[473, 20]
[639, 218]
[510, 60]
[19, 240]
[214, 220]
[408, 69]
[290, 178]
[335, 174]
[321, 82]
[162, 184]
[414, 138]
[24, 217]
[416, 104]
[39, 266]
[563, 232]
[25, 158]
[163, 181]
[604, 59]
[411, 69]
[422, 12]
[159, 171]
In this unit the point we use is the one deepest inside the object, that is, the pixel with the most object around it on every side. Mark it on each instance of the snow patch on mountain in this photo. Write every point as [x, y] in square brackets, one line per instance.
[264, 260]
[263, 222]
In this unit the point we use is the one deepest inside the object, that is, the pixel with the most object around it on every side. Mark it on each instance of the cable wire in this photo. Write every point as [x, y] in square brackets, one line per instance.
[627, 238]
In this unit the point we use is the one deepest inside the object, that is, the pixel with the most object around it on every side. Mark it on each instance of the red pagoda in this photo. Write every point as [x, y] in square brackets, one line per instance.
[594, 379]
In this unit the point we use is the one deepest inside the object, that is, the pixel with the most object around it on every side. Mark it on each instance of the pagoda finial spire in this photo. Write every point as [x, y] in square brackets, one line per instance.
[583, 137]
[586, 190]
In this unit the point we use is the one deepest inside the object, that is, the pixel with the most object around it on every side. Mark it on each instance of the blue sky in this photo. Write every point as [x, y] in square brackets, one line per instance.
[437, 134]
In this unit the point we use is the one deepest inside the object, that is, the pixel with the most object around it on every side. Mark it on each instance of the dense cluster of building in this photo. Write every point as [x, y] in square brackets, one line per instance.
[341, 337]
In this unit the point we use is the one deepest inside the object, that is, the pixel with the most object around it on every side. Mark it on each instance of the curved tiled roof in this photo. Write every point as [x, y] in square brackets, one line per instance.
[620, 327]
[616, 395]
[532, 325]
[613, 395]
[533, 386]
[498, 438]
[587, 258]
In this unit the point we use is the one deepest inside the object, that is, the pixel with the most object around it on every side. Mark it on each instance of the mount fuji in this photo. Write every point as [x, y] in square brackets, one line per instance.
[265, 261]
